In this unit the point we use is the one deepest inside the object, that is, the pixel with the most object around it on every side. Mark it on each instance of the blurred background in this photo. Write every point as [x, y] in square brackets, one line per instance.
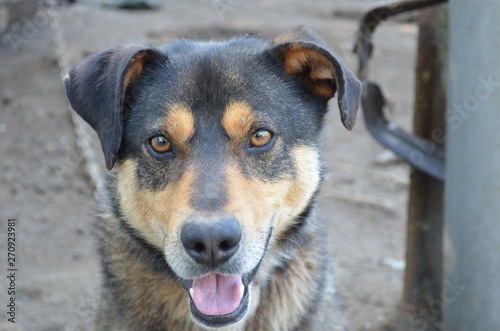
[45, 184]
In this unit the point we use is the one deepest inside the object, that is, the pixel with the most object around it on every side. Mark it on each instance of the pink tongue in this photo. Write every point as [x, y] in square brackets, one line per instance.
[216, 294]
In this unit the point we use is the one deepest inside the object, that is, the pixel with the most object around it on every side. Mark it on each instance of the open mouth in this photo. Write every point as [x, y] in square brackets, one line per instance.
[216, 295]
[217, 300]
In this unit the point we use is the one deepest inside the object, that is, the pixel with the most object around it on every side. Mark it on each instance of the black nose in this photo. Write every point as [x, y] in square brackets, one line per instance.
[211, 243]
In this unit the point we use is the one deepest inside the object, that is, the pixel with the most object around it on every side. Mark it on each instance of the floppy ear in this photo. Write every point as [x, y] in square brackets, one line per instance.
[308, 58]
[96, 90]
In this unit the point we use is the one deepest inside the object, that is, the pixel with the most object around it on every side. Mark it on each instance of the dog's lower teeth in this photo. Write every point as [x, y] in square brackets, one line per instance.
[191, 292]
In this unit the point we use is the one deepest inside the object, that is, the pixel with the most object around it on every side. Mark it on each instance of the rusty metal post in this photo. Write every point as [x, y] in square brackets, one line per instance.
[422, 286]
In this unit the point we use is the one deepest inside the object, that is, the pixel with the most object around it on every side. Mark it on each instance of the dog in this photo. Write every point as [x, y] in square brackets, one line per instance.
[209, 220]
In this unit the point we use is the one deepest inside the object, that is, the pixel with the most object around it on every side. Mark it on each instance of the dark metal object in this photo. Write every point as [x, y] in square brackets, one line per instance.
[423, 282]
[421, 153]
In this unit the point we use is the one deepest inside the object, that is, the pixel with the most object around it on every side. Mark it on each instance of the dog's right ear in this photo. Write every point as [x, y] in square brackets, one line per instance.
[307, 58]
[96, 90]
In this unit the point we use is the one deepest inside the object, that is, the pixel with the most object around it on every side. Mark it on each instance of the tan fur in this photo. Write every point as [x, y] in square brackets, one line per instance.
[155, 214]
[307, 165]
[289, 294]
[291, 36]
[180, 123]
[135, 69]
[159, 215]
[238, 119]
[256, 204]
[298, 58]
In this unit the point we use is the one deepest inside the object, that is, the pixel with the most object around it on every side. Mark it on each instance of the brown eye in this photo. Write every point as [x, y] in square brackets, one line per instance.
[260, 138]
[160, 144]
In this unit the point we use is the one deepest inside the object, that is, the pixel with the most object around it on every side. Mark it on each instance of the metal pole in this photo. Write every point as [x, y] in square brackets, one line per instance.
[425, 208]
[471, 280]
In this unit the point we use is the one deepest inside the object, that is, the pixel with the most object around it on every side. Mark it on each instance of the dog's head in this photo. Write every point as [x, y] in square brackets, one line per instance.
[215, 146]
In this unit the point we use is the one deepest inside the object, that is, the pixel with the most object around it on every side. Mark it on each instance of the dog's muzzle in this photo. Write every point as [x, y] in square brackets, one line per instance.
[216, 299]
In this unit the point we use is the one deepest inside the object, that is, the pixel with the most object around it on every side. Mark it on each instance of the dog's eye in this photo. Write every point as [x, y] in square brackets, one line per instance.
[260, 138]
[160, 144]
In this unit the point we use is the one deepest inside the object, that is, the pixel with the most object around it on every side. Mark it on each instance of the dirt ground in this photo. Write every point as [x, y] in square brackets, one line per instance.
[44, 186]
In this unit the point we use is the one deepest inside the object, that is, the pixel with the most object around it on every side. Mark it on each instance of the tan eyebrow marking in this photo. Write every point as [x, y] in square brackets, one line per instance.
[180, 123]
[238, 119]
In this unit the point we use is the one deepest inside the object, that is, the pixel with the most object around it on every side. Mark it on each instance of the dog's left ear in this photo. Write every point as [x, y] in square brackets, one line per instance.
[308, 58]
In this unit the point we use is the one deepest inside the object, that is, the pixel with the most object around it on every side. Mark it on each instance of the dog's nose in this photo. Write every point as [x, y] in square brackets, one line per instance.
[211, 243]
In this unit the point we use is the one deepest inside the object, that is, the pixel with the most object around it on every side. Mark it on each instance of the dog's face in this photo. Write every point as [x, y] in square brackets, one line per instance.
[215, 147]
